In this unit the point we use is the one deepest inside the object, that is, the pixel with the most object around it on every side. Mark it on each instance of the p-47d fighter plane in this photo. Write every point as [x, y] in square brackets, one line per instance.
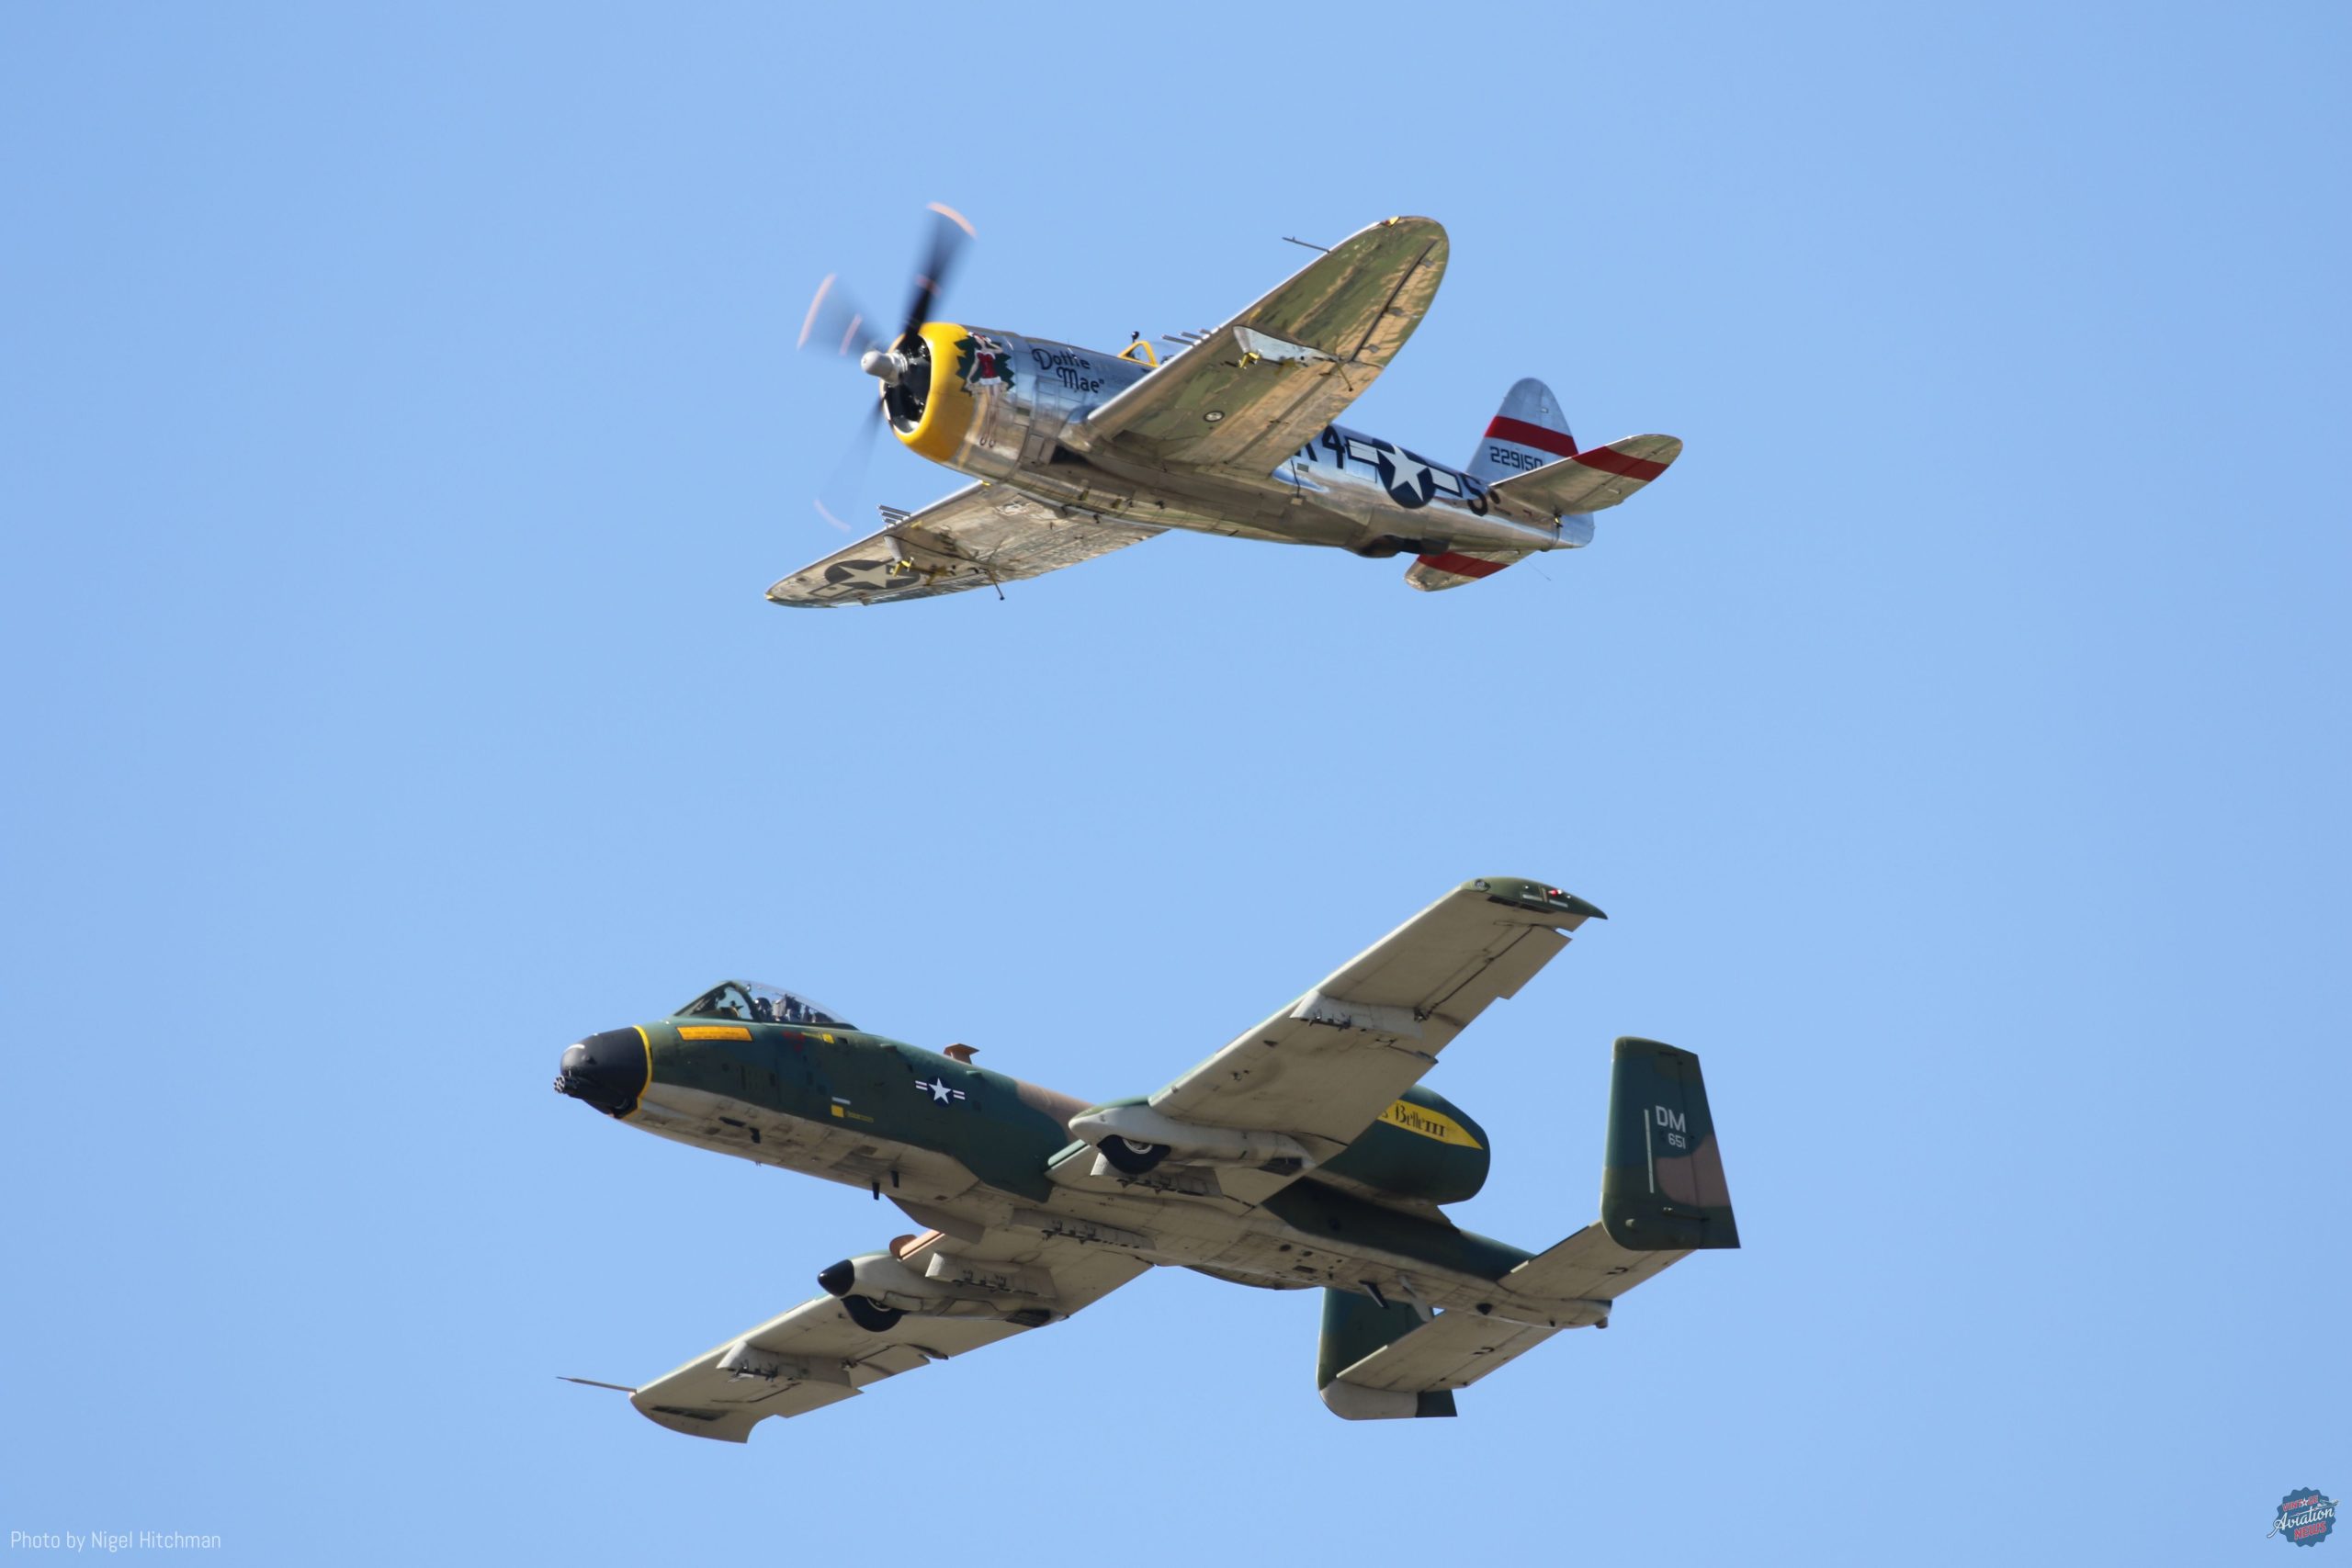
[1079, 452]
[1305, 1153]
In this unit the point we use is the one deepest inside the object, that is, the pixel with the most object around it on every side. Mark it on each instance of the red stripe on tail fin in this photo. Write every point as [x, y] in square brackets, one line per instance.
[1558, 443]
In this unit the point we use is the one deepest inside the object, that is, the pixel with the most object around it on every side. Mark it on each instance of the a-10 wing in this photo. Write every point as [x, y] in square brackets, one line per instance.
[983, 536]
[814, 1356]
[1327, 1065]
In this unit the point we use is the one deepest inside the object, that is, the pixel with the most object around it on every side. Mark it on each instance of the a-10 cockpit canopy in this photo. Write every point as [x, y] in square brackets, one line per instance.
[755, 1003]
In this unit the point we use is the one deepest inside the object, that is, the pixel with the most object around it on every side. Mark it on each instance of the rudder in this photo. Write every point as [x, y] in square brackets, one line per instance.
[1528, 432]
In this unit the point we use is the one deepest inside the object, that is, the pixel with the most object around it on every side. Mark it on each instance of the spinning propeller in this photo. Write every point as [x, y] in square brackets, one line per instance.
[836, 323]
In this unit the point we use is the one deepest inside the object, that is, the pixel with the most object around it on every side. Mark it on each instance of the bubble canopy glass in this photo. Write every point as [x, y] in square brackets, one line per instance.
[753, 1003]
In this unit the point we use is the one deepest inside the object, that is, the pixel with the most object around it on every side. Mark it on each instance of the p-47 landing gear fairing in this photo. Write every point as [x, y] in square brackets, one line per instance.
[1077, 451]
[1305, 1153]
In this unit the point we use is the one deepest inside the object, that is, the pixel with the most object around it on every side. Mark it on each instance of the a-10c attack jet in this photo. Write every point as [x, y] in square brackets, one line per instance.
[1077, 452]
[1305, 1153]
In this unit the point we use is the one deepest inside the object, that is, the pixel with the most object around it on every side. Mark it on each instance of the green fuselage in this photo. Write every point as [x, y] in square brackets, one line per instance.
[961, 1147]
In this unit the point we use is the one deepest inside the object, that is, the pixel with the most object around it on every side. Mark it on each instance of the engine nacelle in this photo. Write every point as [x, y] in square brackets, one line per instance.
[1422, 1147]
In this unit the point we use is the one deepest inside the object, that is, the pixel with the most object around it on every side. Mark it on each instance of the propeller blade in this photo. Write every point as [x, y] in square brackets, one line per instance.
[839, 494]
[836, 323]
[950, 231]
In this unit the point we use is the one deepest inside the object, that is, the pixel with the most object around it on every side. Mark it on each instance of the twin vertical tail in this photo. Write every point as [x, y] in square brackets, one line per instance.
[1662, 1198]
[1663, 1187]
[1526, 432]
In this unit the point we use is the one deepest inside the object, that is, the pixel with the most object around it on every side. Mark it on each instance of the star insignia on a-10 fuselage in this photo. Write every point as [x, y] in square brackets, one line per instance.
[939, 1090]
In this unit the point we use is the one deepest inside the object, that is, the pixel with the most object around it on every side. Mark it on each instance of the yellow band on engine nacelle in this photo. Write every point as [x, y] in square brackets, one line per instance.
[949, 406]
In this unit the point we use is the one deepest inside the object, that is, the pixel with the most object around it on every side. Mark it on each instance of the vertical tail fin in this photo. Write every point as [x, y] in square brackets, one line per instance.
[1528, 432]
[1663, 1188]
[1356, 1327]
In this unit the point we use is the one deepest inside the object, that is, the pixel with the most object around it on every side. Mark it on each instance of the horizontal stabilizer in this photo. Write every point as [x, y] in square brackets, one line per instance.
[1590, 481]
[1380, 1363]
[1454, 567]
[1587, 1267]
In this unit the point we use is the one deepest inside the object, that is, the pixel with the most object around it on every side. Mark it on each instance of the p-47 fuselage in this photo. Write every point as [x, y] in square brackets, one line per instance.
[1003, 407]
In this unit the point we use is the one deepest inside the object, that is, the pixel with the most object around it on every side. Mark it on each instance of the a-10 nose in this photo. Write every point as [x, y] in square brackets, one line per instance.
[608, 1071]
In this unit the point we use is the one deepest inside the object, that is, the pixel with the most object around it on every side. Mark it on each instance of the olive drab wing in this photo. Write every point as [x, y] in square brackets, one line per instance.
[1337, 1059]
[821, 1353]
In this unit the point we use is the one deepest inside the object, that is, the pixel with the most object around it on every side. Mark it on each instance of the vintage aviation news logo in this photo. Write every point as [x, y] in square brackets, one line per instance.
[2305, 1517]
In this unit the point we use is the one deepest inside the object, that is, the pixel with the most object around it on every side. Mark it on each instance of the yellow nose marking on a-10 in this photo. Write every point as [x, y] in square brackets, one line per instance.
[1429, 1124]
[643, 1090]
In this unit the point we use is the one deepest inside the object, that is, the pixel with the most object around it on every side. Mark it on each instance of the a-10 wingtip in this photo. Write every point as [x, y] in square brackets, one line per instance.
[1527, 894]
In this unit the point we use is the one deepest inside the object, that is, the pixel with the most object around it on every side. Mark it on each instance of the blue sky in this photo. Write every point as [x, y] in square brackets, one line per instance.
[402, 426]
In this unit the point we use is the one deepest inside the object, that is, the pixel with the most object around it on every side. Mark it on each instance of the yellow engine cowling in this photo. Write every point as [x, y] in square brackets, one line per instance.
[954, 372]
